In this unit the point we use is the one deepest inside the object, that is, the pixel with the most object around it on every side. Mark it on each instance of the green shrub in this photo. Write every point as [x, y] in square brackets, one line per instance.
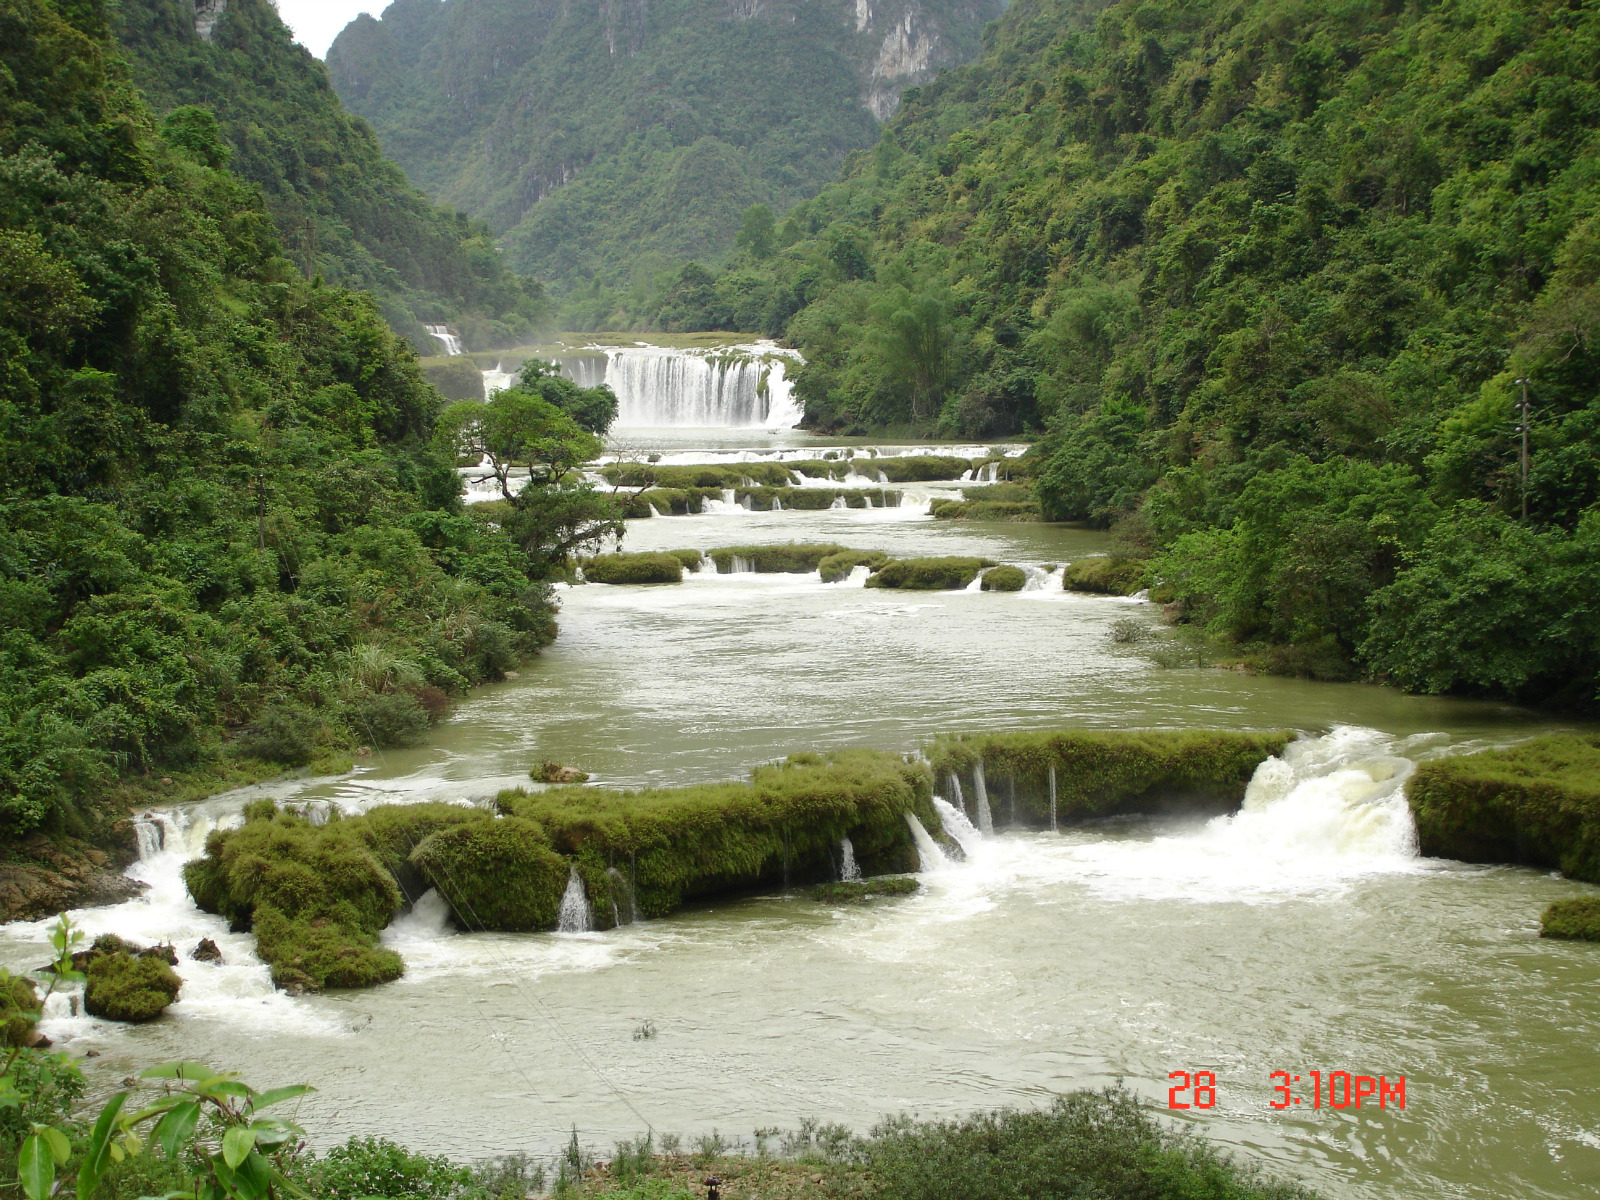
[835, 567]
[985, 510]
[1004, 579]
[690, 559]
[389, 720]
[1104, 576]
[496, 874]
[149, 1174]
[633, 568]
[309, 954]
[928, 574]
[283, 733]
[19, 1010]
[378, 1167]
[796, 558]
[1101, 772]
[1578, 918]
[1536, 803]
[127, 987]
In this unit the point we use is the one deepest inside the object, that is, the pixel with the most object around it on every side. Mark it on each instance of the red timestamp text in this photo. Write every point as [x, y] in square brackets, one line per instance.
[1316, 1089]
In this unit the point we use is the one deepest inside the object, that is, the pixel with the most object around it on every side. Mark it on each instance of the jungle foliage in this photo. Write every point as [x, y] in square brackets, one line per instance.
[1263, 277]
[340, 207]
[226, 530]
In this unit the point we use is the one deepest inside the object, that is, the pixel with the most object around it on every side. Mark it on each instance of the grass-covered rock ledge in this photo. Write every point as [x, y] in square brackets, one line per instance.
[1537, 803]
[1097, 773]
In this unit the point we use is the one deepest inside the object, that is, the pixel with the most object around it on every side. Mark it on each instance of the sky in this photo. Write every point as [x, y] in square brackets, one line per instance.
[317, 22]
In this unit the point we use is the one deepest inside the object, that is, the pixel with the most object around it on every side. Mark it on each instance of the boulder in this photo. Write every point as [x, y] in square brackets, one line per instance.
[554, 772]
[206, 952]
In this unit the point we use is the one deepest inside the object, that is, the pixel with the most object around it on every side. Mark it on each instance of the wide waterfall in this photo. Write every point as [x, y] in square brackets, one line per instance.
[737, 387]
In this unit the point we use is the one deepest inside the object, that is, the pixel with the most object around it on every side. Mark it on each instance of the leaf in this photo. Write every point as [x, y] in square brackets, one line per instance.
[60, 1146]
[177, 1127]
[237, 1144]
[95, 1155]
[181, 1070]
[275, 1095]
[36, 1168]
[217, 1088]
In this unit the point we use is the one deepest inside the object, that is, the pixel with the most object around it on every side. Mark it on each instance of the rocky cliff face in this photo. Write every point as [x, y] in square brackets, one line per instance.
[498, 107]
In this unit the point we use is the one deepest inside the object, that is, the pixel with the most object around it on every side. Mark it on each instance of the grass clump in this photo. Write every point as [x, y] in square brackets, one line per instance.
[1536, 803]
[129, 987]
[836, 567]
[1104, 576]
[928, 574]
[649, 567]
[985, 510]
[794, 558]
[1578, 919]
[858, 891]
[1004, 579]
[1098, 773]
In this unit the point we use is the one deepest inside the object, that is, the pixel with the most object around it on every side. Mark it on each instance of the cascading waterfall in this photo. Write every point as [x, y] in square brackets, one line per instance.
[575, 915]
[148, 831]
[624, 906]
[1052, 797]
[451, 343]
[980, 787]
[955, 790]
[929, 856]
[958, 827]
[497, 380]
[838, 502]
[743, 566]
[849, 872]
[741, 387]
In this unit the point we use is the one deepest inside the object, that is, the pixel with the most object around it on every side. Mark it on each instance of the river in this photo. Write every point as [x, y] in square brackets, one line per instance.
[1304, 935]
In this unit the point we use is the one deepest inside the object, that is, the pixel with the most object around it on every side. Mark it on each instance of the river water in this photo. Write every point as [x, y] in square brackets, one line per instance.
[1302, 935]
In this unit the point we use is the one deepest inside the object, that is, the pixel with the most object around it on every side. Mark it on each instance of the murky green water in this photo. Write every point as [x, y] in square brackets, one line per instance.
[1047, 962]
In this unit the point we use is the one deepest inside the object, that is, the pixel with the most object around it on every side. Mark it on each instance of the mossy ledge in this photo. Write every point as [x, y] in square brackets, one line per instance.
[1577, 919]
[1537, 803]
[1104, 773]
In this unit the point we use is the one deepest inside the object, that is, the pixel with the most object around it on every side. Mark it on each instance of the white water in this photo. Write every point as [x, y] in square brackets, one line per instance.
[849, 870]
[450, 342]
[575, 916]
[929, 856]
[957, 826]
[739, 387]
[980, 787]
[497, 380]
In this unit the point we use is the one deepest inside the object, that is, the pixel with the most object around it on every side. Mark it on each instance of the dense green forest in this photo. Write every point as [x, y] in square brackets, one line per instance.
[1263, 277]
[229, 529]
[608, 142]
[341, 208]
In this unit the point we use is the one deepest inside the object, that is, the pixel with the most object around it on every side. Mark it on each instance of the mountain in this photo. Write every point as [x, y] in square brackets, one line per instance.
[610, 138]
[341, 208]
[1264, 277]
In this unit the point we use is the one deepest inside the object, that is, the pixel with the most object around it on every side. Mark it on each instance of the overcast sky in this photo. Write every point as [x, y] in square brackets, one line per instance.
[317, 22]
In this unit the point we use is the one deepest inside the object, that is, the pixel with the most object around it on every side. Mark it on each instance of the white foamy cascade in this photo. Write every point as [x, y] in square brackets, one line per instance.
[451, 343]
[980, 787]
[849, 871]
[1332, 809]
[575, 915]
[957, 826]
[497, 380]
[929, 856]
[740, 387]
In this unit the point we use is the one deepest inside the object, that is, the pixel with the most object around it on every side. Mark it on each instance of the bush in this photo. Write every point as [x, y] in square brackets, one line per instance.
[1578, 919]
[309, 954]
[127, 987]
[284, 733]
[389, 720]
[691, 559]
[795, 558]
[500, 875]
[1104, 576]
[633, 568]
[378, 1167]
[1004, 579]
[928, 574]
[835, 567]
[19, 1010]
[1536, 803]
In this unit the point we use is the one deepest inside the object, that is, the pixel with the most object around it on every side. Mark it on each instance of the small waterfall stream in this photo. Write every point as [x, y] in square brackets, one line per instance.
[929, 856]
[849, 871]
[980, 786]
[957, 826]
[575, 915]
[450, 342]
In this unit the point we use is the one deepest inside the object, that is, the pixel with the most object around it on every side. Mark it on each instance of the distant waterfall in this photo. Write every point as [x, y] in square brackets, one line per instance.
[849, 871]
[451, 343]
[740, 387]
[929, 856]
[981, 786]
[575, 916]
[497, 380]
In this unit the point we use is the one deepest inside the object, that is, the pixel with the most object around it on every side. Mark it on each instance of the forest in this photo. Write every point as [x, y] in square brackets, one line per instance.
[1262, 281]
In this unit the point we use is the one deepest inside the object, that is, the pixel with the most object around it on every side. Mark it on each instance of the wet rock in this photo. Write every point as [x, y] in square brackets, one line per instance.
[207, 952]
[52, 878]
[554, 772]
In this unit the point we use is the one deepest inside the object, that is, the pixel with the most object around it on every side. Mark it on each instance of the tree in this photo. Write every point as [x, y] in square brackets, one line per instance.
[518, 431]
[757, 231]
[915, 337]
[593, 408]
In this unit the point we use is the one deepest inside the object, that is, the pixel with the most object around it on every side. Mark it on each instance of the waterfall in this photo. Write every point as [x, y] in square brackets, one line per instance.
[497, 380]
[625, 909]
[654, 511]
[980, 786]
[451, 343]
[148, 830]
[576, 916]
[1052, 797]
[838, 502]
[849, 872]
[743, 566]
[955, 790]
[929, 856]
[958, 827]
[777, 504]
[741, 387]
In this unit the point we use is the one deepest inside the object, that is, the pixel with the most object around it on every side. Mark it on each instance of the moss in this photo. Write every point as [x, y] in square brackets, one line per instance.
[1099, 773]
[675, 502]
[691, 559]
[916, 468]
[795, 558]
[496, 874]
[1536, 803]
[1578, 919]
[19, 1010]
[859, 890]
[128, 987]
[1104, 576]
[928, 574]
[633, 568]
[697, 477]
[1004, 579]
[985, 510]
[551, 771]
[835, 567]
[814, 498]
[309, 954]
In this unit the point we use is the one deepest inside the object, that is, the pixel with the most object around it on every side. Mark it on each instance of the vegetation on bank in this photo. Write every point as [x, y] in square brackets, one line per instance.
[1091, 773]
[1536, 803]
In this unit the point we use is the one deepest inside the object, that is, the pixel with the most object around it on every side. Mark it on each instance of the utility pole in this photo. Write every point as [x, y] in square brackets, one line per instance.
[1523, 425]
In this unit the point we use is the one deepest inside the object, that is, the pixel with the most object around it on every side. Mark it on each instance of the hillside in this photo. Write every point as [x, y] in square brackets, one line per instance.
[341, 208]
[1263, 275]
[614, 138]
